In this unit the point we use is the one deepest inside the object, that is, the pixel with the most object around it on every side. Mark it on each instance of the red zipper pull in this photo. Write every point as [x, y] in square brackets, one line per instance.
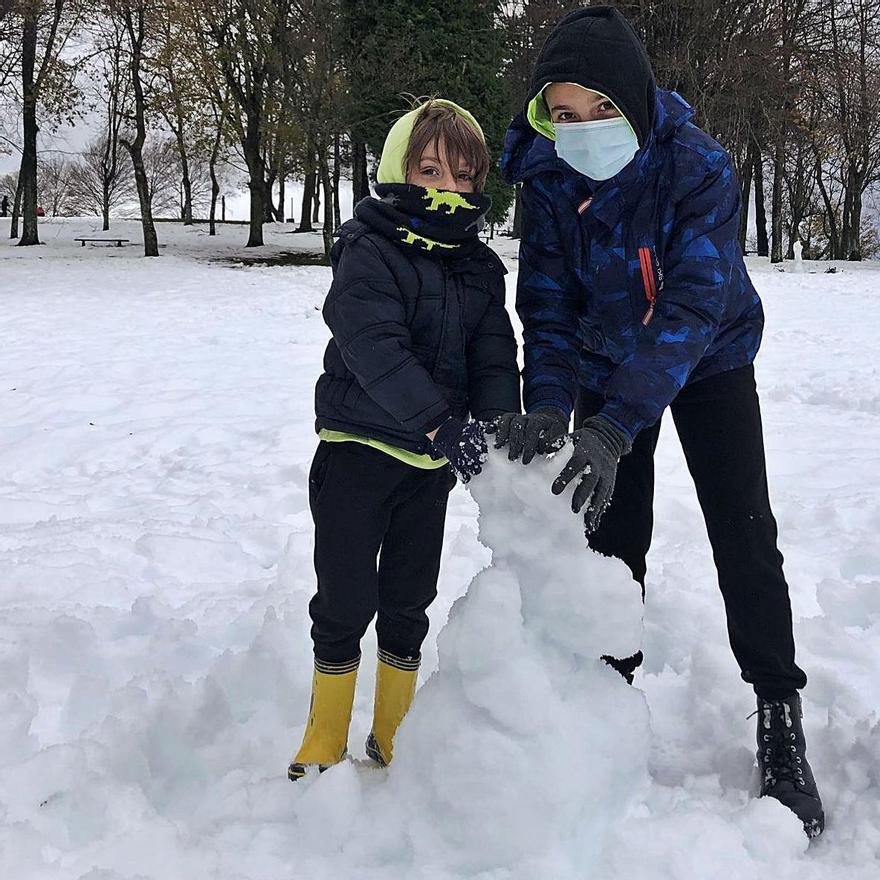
[648, 282]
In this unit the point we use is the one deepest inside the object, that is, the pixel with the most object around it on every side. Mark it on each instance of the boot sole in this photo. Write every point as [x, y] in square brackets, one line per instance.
[373, 751]
[814, 827]
[297, 771]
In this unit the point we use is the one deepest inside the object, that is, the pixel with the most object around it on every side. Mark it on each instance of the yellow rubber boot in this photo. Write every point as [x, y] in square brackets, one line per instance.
[395, 689]
[326, 738]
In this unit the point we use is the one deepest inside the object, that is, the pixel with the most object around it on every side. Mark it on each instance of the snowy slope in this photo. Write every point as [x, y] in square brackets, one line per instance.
[155, 549]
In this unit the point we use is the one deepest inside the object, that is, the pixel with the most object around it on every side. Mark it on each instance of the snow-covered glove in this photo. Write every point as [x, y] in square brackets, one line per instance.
[598, 448]
[528, 434]
[464, 445]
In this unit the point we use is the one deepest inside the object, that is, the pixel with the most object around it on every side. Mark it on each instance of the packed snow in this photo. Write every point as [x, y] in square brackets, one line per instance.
[155, 568]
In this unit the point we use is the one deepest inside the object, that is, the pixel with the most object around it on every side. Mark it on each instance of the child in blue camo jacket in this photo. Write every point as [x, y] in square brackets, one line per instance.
[634, 297]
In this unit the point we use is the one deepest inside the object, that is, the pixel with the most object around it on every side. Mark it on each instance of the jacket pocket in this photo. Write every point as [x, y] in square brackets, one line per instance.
[352, 397]
[318, 471]
[475, 299]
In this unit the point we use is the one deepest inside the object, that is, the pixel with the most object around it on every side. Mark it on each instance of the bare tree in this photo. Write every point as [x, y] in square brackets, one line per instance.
[100, 183]
[103, 178]
[46, 26]
[315, 87]
[10, 44]
[212, 130]
[162, 169]
[176, 92]
[855, 61]
[133, 16]
[55, 175]
[242, 38]
[220, 109]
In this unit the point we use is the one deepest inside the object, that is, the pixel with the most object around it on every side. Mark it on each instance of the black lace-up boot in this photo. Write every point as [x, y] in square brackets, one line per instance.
[782, 757]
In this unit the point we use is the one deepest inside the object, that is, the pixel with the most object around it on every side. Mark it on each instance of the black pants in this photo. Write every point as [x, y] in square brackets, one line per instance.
[718, 421]
[378, 536]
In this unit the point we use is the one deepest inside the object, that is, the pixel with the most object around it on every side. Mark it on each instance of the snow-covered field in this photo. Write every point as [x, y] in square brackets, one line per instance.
[155, 544]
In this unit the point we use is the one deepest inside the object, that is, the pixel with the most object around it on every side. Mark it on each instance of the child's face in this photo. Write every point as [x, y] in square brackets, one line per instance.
[434, 171]
[571, 103]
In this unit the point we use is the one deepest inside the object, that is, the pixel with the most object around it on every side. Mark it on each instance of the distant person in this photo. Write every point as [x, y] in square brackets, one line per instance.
[4, 206]
[422, 345]
[634, 297]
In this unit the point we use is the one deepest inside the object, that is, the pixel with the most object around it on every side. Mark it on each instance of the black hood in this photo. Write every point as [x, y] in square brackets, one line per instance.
[597, 48]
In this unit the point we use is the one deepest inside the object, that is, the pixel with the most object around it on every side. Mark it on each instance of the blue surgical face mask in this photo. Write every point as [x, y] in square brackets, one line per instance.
[598, 149]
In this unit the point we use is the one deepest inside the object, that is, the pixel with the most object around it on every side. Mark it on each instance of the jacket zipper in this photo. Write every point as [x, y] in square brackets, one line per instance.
[649, 282]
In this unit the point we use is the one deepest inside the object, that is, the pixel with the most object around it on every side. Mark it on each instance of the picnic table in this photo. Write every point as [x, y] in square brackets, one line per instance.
[106, 240]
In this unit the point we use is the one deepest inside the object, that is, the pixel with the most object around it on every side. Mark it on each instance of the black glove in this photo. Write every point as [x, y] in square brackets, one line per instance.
[598, 448]
[528, 434]
[464, 445]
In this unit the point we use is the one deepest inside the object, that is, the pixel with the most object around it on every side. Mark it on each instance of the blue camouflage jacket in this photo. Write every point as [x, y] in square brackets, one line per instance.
[635, 286]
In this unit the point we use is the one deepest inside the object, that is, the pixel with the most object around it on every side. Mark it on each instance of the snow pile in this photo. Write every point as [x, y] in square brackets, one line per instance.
[524, 747]
[524, 739]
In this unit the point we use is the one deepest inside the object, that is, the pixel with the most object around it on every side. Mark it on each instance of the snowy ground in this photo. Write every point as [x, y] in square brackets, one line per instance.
[155, 549]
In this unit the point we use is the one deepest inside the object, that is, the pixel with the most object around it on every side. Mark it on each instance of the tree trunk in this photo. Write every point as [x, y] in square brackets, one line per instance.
[282, 190]
[253, 156]
[745, 193]
[316, 201]
[215, 191]
[105, 204]
[16, 210]
[776, 201]
[212, 170]
[850, 233]
[268, 201]
[257, 187]
[760, 211]
[187, 185]
[846, 221]
[854, 251]
[337, 211]
[516, 231]
[327, 230]
[799, 198]
[28, 174]
[151, 243]
[305, 220]
[178, 128]
[830, 217]
[134, 22]
[360, 183]
[110, 158]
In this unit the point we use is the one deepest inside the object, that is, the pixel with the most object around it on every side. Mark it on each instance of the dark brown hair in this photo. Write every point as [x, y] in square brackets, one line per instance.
[464, 146]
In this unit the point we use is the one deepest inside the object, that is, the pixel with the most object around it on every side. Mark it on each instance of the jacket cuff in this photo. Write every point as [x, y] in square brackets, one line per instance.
[549, 398]
[617, 439]
[622, 417]
[435, 421]
[486, 415]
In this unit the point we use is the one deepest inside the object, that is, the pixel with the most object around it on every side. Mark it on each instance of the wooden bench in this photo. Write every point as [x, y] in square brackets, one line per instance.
[105, 240]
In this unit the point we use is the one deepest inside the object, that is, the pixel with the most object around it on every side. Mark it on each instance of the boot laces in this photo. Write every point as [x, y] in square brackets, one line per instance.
[780, 760]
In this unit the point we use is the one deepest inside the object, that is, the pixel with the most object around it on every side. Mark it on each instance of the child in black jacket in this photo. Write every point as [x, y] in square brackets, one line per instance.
[422, 351]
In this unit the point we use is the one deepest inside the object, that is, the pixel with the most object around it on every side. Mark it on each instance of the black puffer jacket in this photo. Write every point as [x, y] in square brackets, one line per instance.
[416, 337]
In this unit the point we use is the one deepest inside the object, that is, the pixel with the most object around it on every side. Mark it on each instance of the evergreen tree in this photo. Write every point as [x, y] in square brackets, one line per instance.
[400, 50]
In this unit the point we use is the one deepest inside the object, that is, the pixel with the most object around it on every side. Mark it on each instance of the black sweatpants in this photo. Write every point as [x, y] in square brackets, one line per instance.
[378, 537]
[718, 421]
